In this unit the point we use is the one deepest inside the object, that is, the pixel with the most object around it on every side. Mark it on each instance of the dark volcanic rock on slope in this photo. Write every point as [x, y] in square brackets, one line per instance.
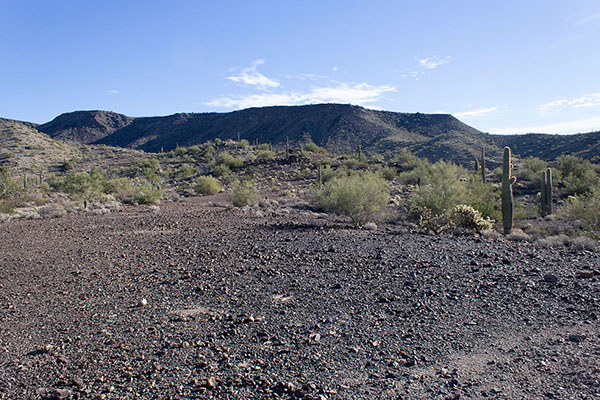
[337, 127]
[549, 147]
[84, 126]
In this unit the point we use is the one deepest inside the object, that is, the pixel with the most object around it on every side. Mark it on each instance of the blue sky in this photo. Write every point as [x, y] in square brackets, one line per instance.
[502, 67]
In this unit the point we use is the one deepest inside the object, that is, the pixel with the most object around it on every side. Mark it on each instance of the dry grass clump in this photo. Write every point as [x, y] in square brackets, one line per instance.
[517, 235]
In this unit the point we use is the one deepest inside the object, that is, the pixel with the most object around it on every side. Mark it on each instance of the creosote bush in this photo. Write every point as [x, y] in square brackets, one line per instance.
[229, 161]
[359, 196]
[313, 148]
[148, 194]
[207, 185]
[265, 155]
[243, 194]
[585, 208]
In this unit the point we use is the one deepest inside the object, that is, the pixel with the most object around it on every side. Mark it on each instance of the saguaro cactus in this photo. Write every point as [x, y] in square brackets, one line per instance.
[543, 194]
[507, 192]
[476, 166]
[548, 189]
[320, 174]
[483, 164]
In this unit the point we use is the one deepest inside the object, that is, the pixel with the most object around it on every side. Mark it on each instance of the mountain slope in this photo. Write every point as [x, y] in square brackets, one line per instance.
[339, 128]
[84, 126]
[548, 147]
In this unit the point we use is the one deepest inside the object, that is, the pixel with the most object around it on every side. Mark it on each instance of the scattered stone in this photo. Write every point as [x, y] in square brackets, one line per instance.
[143, 303]
[211, 383]
[577, 338]
[60, 394]
[550, 278]
[585, 274]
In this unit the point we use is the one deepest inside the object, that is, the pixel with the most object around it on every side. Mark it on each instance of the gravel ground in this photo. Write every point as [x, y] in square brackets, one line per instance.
[197, 301]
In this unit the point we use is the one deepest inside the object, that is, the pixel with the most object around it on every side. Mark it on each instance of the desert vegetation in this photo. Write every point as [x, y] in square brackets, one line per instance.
[435, 197]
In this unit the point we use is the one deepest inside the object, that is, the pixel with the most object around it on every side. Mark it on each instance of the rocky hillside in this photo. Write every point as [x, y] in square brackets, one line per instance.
[340, 128]
[337, 127]
[548, 147]
[85, 126]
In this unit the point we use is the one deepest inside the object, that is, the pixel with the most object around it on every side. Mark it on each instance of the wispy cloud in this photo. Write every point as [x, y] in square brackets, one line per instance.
[113, 91]
[475, 113]
[577, 126]
[587, 19]
[305, 77]
[411, 74]
[585, 101]
[433, 62]
[361, 94]
[250, 76]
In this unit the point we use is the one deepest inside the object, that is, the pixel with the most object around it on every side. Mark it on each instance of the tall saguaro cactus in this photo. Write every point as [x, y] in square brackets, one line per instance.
[320, 174]
[483, 164]
[507, 192]
[546, 192]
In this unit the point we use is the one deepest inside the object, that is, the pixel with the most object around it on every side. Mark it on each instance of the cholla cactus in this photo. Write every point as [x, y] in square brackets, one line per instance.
[465, 216]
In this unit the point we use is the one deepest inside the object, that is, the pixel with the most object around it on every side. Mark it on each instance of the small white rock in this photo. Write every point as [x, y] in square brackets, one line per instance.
[143, 303]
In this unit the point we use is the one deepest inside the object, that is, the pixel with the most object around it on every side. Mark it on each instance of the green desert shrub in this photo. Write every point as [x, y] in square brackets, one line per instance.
[180, 151]
[122, 188]
[148, 194]
[209, 153]
[185, 171]
[265, 155]
[578, 176]
[150, 169]
[262, 147]
[195, 150]
[531, 170]
[207, 185]
[8, 186]
[483, 197]
[359, 196]
[443, 187]
[221, 170]
[312, 147]
[388, 173]
[585, 208]
[229, 161]
[243, 194]
[82, 184]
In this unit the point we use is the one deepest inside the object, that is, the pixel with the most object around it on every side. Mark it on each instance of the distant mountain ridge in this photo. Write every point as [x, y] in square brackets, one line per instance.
[340, 128]
[85, 126]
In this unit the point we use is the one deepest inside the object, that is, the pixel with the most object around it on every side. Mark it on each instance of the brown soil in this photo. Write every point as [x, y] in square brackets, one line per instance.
[285, 303]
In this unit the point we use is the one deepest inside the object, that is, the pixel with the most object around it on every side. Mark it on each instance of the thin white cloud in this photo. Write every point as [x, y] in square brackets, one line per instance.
[585, 101]
[577, 126]
[433, 62]
[411, 74]
[475, 113]
[305, 77]
[587, 19]
[113, 91]
[334, 68]
[250, 76]
[361, 94]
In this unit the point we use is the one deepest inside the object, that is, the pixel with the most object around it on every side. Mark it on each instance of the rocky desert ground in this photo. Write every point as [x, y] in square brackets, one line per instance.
[196, 300]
